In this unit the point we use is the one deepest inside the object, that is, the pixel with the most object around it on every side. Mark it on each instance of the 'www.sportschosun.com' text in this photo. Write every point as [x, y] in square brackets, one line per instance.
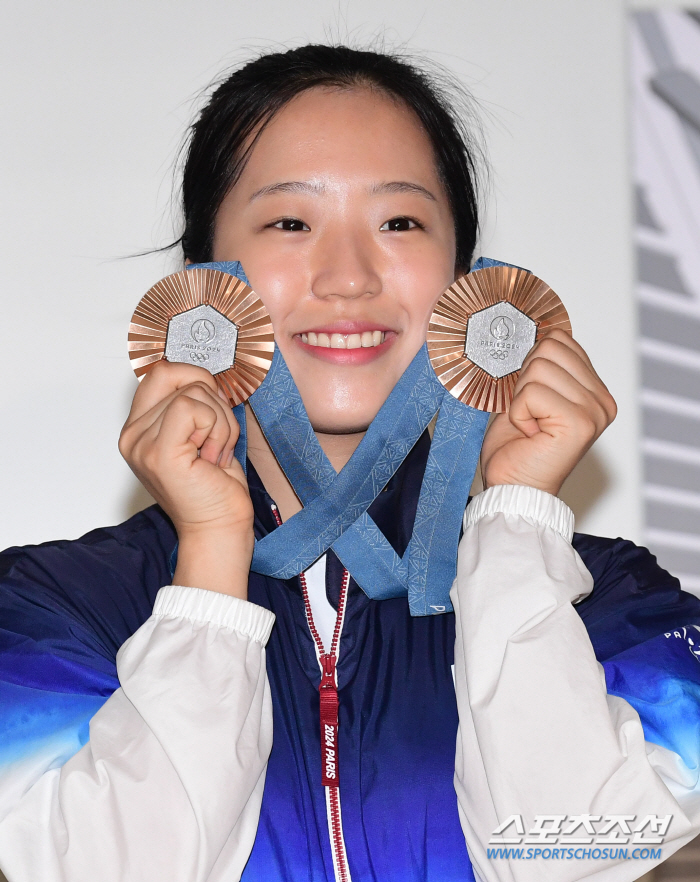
[574, 854]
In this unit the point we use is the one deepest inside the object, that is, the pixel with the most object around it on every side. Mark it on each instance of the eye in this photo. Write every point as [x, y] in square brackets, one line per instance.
[400, 225]
[291, 225]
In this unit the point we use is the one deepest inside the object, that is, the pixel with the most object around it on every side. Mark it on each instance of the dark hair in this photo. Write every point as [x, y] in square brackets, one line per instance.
[241, 106]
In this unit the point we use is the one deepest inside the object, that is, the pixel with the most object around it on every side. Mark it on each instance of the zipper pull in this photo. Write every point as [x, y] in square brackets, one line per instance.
[327, 670]
[329, 721]
[328, 692]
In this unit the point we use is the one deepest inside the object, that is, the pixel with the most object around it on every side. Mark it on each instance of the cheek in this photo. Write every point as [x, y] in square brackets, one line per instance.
[277, 288]
[420, 289]
[273, 276]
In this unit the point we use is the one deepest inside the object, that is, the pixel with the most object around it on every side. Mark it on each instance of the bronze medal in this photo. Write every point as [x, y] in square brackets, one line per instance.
[482, 328]
[207, 318]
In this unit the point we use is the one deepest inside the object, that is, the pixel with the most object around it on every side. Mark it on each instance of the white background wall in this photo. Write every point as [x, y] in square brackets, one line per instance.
[94, 99]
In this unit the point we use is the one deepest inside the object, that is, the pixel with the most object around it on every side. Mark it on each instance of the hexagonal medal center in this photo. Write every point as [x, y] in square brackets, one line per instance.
[498, 339]
[204, 337]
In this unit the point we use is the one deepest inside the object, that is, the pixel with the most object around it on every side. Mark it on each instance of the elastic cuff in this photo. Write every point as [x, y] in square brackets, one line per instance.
[199, 605]
[529, 503]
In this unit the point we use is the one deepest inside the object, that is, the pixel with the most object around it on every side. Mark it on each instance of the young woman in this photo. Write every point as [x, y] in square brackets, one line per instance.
[344, 185]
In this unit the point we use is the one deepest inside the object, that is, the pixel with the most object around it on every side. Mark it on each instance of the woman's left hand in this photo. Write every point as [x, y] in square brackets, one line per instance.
[559, 409]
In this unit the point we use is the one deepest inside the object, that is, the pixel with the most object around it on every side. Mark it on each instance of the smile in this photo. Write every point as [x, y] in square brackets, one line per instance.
[365, 340]
[347, 343]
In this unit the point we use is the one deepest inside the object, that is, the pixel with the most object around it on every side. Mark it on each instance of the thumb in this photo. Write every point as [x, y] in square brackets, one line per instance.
[532, 408]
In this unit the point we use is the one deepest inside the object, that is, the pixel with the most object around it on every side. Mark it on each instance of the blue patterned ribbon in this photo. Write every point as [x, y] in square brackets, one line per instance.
[335, 504]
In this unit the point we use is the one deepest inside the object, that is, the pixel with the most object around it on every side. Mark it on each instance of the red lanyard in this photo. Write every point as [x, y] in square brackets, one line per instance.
[328, 688]
[328, 694]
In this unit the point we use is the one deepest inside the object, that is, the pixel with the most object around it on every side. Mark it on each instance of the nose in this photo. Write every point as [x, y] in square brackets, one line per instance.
[345, 266]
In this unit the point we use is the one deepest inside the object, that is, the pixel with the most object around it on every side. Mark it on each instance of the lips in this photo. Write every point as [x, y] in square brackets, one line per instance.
[351, 343]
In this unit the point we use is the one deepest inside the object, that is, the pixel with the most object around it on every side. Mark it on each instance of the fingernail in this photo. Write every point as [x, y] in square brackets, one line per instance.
[222, 395]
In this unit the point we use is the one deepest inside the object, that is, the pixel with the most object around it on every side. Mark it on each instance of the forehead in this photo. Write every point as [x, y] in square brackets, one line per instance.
[342, 133]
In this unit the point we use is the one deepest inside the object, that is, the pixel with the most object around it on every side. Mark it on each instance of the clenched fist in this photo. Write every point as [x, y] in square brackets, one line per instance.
[559, 409]
[179, 440]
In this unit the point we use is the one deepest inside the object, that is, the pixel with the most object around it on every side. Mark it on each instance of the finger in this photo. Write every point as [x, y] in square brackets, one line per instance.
[570, 356]
[563, 349]
[543, 372]
[186, 425]
[226, 429]
[226, 455]
[164, 379]
[556, 335]
[216, 444]
[144, 456]
[539, 408]
[211, 451]
[566, 340]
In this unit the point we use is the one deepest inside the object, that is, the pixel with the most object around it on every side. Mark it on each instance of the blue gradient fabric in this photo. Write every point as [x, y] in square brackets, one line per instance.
[659, 679]
[66, 608]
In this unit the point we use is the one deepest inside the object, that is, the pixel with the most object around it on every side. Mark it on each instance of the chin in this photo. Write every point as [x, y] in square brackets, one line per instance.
[350, 421]
[327, 427]
[343, 409]
[343, 400]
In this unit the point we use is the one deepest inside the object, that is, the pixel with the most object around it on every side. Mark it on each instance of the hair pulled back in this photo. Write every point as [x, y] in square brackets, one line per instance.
[243, 104]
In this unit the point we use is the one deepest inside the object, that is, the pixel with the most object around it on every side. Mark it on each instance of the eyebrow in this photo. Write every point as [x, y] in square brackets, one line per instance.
[288, 187]
[318, 188]
[403, 187]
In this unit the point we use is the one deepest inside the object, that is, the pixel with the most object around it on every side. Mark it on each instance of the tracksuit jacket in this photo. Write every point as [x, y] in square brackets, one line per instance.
[171, 733]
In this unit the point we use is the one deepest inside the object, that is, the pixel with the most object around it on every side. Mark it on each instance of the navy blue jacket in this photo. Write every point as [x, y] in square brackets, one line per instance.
[66, 607]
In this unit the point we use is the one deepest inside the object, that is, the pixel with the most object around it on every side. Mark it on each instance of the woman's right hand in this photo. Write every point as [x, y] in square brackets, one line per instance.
[178, 440]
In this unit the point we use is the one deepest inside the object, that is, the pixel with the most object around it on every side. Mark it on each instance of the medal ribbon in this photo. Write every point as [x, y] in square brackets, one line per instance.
[335, 504]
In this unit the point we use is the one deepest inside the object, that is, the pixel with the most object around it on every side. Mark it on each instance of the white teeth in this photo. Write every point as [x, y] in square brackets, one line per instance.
[366, 340]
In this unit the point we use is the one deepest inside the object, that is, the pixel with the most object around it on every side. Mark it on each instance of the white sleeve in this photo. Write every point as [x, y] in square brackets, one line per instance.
[169, 786]
[538, 734]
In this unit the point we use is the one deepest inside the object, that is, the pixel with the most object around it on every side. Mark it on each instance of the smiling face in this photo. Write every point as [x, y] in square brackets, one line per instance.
[344, 229]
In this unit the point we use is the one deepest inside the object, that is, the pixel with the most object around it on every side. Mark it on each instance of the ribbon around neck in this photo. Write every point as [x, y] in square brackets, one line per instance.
[336, 503]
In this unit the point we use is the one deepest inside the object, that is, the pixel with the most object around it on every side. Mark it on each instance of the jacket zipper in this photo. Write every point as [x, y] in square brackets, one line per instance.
[328, 700]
